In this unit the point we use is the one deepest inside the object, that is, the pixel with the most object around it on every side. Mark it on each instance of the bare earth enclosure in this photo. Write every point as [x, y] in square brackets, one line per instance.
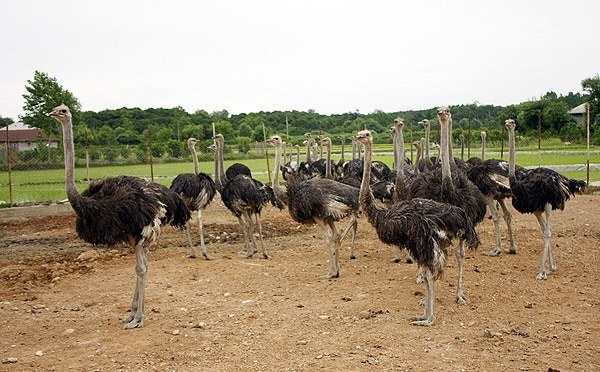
[61, 301]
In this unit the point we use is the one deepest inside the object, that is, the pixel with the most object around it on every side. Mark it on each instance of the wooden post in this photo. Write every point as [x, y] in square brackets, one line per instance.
[411, 145]
[150, 147]
[87, 156]
[287, 130]
[588, 144]
[266, 152]
[9, 163]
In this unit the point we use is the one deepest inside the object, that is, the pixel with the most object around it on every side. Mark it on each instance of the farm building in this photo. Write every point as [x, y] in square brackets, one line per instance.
[579, 113]
[23, 137]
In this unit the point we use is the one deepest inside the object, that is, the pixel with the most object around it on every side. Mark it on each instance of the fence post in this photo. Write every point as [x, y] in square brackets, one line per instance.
[469, 140]
[9, 164]
[588, 144]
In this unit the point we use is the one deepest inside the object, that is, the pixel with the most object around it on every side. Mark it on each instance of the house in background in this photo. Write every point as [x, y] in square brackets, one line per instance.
[23, 137]
[579, 113]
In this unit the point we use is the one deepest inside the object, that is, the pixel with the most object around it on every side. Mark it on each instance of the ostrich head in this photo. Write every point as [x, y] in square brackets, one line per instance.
[398, 123]
[61, 113]
[192, 142]
[425, 123]
[276, 140]
[444, 114]
[326, 141]
[417, 144]
[364, 136]
[212, 148]
[510, 124]
[308, 135]
[393, 130]
[483, 135]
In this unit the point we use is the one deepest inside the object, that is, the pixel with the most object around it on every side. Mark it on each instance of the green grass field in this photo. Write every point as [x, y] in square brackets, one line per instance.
[37, 186]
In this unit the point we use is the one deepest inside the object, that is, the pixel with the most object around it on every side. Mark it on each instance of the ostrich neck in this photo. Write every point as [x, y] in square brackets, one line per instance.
[328, 163]
[276, 187]
[218, 182]
[511, 153]
[308, 150]
[69, 151]
[297, 156]
[427, 137]
[365, 194]
[222, 177]
[195, 159]
[343, 143]
[482, 148]
[400, 151]
[445, 154]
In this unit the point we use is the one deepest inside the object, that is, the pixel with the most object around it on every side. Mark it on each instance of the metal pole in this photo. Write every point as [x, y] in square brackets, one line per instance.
[150, 147]
[588, 143]
[266, 152]
[9, 163]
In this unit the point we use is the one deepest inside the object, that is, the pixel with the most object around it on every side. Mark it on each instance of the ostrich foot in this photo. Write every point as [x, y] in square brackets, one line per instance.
[266, 256]
[512, 250]
[330, 276]
[131, 322]
[461, 299]
[249, 255]
[352, 257]
[193, 255]
[542, 275]
[422, 320]
[206, 256]
[493, 253]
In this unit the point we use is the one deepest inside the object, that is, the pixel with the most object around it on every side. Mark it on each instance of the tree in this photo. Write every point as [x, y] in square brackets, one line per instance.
[243, 144]
[592, 87]
[43, 94]
[5, 121]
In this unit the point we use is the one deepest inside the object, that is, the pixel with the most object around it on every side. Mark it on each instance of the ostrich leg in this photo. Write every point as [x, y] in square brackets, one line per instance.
[460, 255]
[201, 232]
[547, 231]
[352, 225]
[429, 317]
[332, 257]
[494, 211]
[135, 319]
[188, 229]
[252, 248]
[244, 234]
[508, 219]
[262, 242]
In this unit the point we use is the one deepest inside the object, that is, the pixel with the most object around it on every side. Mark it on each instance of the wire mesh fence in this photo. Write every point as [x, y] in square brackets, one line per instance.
[32, 170]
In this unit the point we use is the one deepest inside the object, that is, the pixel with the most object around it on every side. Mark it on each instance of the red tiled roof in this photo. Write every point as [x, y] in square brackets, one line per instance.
[24, 135]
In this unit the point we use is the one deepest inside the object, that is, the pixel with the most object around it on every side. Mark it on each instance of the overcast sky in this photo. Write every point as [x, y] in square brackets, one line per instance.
[329, 56]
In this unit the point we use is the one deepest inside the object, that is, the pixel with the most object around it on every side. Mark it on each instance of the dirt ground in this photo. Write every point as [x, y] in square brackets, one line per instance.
[61, 301]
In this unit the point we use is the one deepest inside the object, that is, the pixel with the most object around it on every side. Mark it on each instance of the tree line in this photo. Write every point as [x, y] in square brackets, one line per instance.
[169, 128]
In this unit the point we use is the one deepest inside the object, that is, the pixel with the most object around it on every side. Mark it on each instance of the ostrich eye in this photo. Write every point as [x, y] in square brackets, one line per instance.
[63, 111]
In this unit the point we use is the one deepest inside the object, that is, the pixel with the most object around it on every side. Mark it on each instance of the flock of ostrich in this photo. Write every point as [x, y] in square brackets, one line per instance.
[421, 208]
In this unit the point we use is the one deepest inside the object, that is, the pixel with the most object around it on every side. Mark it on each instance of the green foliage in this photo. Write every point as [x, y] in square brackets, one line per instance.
[243, 144]
[592, 87]
[43, 94]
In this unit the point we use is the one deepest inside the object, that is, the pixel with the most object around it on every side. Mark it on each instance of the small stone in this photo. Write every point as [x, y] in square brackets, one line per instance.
[302, 342]
[176, 332]
[10, 360]
[39, 353]
[324, 317]
[226, 294]
[68, 331]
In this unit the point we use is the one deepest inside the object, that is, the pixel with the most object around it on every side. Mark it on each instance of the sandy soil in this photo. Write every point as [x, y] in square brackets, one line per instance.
[61, 301]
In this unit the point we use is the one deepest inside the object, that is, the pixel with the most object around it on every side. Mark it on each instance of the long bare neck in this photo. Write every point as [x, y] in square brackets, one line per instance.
[511, 153]
[427, 139]
[482, 148]
[222, 177]
[298, 155]
[328, 162]
[343, 139]
[365, 195]
[218, 181]
[69, 151]
[400, 151]
[279, 193]
[194, 158]
[445, 155]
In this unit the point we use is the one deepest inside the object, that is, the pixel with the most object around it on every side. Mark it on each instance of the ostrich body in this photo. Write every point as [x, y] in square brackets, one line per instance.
[424, 227]
[122, 209]
[448, 184]
[245, 198]
[539, 191]
[491, 178]
[321, 201]
[197, 191]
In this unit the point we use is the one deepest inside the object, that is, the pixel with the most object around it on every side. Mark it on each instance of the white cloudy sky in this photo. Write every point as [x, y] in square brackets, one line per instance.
[329, 56]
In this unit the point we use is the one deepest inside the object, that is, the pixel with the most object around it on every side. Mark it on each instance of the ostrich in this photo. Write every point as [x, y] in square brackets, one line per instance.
[245, 198]
[122, 209]
[539, 191]
[483, 137]
[197, 191]
[319, 200]
[424, 227]
[448, 184]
